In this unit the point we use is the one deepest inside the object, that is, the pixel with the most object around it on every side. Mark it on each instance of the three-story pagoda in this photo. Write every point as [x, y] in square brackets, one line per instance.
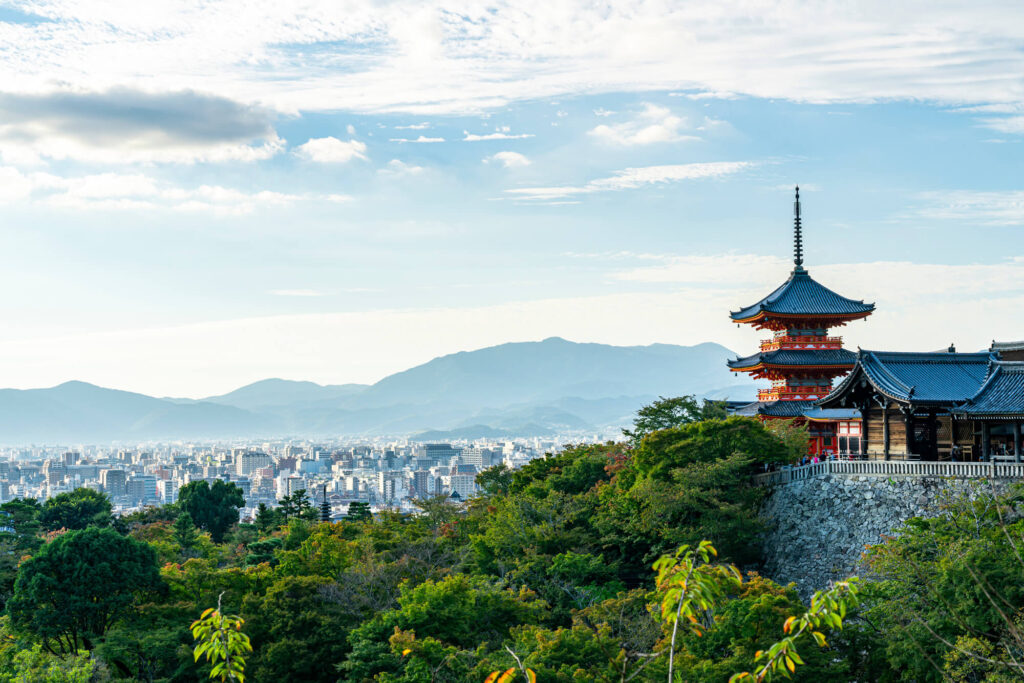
[801, 358]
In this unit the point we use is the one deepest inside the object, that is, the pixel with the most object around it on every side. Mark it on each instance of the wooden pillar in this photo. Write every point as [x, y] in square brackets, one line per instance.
[864, 429]
[986, 442]
[885, 429]
[952, 435]
[933, 435]
[908, 422]
[1016, 442]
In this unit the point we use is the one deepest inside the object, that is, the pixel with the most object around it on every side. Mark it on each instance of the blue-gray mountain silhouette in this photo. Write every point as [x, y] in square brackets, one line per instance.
[527, 388]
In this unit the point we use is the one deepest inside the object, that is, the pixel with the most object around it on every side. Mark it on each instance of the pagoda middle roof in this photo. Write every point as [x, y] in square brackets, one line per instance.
[797, 358]
[802, 295]
[940, 378]
[787, 409]
[1002, 393]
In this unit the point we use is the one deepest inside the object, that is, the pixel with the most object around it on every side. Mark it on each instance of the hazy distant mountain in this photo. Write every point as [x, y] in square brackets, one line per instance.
[280, 392]
[527, 389]
[553, 369]
[81, 412]
[479, 432]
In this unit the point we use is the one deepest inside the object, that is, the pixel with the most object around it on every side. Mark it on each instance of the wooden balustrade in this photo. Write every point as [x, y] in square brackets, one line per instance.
[913, 468]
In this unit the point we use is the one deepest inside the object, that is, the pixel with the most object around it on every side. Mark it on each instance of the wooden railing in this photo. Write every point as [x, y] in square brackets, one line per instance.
[801, 342]
[965, 470]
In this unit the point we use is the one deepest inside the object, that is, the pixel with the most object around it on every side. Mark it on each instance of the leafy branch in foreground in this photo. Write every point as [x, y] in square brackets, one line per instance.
[828, 609]
[691, 586]
[220, 639]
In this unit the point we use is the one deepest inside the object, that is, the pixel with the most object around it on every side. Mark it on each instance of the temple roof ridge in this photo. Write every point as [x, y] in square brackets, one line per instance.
[934, 377]
[1001, 394]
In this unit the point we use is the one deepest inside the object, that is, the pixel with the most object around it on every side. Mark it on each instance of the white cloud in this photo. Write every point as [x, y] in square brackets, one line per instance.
[1009, 124]
[509, 159]
[422, 138]
[652, 125]
[397, 168]
[331, 150]
[978, 208]
[297, 292]
[631, 178]
[444, 56]
[501, 135]
[601, 111]
[414, 126]
[138, 192]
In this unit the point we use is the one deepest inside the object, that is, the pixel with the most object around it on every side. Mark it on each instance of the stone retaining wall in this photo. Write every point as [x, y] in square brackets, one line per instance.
[819, 527]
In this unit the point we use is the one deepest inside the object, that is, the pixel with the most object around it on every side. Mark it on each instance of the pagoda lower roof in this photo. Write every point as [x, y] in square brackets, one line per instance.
[793, 358]
[802, 296]
[787, 409]
[793, 409]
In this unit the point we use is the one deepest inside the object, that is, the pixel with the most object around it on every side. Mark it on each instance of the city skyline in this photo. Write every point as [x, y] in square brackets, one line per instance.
[200, 197]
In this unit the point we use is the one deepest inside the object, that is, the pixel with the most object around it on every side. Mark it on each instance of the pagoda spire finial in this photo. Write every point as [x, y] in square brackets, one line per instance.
[798, 242]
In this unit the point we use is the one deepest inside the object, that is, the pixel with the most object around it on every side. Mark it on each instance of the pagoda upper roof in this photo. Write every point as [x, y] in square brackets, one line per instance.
[1002, 393]
[796, 358]
[802, 296]
[940, 378]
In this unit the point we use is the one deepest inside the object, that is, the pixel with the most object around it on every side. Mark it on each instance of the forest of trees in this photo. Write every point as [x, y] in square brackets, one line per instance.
[550, 572]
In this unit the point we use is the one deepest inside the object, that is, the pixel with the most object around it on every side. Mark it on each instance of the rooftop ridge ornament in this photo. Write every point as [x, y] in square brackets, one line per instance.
[798, 242]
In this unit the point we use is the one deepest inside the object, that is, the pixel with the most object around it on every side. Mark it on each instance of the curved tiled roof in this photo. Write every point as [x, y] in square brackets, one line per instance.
[802, 295]
[1001, 394]
[940, 378]
[794, 358]
[785, 408]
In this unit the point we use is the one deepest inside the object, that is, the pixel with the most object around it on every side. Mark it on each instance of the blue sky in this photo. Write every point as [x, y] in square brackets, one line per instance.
[203, 195]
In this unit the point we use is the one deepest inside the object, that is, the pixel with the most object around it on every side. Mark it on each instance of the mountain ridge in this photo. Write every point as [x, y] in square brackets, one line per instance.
[550, 386]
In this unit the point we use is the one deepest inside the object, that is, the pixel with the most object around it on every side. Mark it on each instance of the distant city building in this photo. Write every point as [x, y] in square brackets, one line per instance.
[248, 462]
[463, 481]
[142, 489]
[114, 483]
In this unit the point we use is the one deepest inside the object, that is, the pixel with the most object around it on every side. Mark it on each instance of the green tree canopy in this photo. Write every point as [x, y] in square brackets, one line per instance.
[76, 510]
[80, 585]
[460, 611]
[212, 508]
[358, 511]
[495, 479]
[296, 627]
[267, 518]
[704, 442]
[672, 412]
[297, 505]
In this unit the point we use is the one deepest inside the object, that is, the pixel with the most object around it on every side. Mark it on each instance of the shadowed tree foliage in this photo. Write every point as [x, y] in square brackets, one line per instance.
[267, 519]
[76, 510]
[185, 531]
[80, 585]
[212, 508]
